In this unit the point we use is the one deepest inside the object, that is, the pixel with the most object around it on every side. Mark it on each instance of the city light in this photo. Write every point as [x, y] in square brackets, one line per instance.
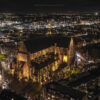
[65, 59]
[50, 56]
[0, 77]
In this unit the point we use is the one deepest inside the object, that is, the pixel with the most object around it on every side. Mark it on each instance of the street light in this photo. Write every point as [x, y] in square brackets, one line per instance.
[12, 99]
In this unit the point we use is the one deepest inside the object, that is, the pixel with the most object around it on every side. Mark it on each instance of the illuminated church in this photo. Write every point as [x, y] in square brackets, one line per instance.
[39, 60]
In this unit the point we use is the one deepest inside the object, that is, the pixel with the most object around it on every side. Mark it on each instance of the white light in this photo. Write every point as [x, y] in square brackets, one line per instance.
[78, 55]
[29, 98]
[96, 13]
[79, 60]
[3, 24]
[5, 85]
[0, 77]
[12, 99]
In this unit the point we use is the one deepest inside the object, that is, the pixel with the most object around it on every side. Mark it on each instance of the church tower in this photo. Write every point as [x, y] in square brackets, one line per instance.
[71, 53]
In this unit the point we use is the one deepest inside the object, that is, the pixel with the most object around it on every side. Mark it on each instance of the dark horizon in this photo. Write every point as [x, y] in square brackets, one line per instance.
[48, 6]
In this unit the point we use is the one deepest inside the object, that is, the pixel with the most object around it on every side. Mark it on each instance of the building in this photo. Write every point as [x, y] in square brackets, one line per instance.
[56, 91]
[39, 59]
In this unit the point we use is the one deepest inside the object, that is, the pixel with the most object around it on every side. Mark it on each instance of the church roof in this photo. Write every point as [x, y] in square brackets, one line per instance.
[38, 44]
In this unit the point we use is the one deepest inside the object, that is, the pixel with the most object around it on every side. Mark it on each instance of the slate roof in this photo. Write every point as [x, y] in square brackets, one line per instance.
[68, 91]
[36, 44]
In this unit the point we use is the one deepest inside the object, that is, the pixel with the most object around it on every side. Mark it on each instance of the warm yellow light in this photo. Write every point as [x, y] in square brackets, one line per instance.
[71, 72]
[56, 64]
[26, 74]
[82, 23]
[20, 76]
[34, 79]
[12, 71]
[44, 52]
[22, 57]
[65, 58]
[55, 67]
[55, 52]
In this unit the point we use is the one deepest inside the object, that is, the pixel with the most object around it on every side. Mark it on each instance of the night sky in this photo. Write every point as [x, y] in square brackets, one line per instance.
[49, 5]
